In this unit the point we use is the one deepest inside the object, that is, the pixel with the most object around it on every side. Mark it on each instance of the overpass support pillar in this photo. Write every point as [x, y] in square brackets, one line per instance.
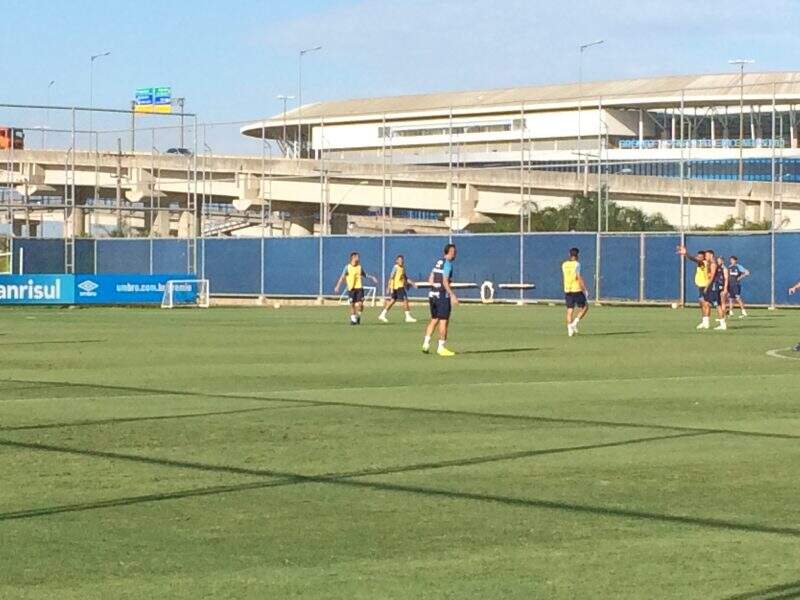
[740, 209]
[765, 208]
[185, 224]
[160, 225]
[301, 224]
[19, 229]
[76, 222]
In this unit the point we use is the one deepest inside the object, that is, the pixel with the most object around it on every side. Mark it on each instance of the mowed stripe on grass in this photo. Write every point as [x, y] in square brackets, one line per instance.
[640, 433]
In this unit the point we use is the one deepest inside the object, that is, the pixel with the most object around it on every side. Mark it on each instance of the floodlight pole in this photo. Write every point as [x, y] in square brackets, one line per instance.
[93, 58]
[741, 62]
[47, 115]
[581, 49]
[300, 97]
[181, 103]
[284, 97]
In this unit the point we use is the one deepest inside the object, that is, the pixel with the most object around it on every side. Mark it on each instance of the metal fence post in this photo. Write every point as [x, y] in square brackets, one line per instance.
[203, 255]
[682, 295]
[151, 256]
[642, 253]
[319, 291]
[262, 261]
[597, 249]
[95, 256]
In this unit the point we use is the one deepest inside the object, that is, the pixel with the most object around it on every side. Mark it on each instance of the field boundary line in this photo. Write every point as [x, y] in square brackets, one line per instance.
[775, 353]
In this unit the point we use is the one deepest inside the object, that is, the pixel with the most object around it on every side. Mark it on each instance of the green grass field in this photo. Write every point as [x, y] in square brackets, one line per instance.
[261, 453]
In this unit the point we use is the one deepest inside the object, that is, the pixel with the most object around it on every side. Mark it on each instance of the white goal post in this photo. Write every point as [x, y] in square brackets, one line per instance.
[370, 295]
[186, 293]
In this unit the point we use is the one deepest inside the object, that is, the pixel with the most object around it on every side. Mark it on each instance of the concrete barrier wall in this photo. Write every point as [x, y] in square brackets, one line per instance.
[633, 267]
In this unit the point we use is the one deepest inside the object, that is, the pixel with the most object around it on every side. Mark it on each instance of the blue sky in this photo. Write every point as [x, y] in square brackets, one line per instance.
[230, 59]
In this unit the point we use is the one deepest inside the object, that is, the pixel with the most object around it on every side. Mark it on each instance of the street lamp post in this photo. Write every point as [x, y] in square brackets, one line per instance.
[93, 58]
[300, 97]
[284, 97]
[582, 48]
[741, 62]
[181, 102]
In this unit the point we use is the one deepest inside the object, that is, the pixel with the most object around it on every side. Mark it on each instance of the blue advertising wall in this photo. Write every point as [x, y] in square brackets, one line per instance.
[292, 266]
[119, 288]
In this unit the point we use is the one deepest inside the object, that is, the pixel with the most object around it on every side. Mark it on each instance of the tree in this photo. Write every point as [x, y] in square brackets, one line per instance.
[580, 215]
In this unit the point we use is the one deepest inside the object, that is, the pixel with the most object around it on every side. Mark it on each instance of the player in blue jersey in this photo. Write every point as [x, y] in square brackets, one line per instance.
[719, 287]
[736, 273]
[441, 299]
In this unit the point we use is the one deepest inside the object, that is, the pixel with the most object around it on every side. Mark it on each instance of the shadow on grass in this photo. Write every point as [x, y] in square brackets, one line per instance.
[37, 343]
[786, 590]
[605, 333]
[501, 351]
[281, 478]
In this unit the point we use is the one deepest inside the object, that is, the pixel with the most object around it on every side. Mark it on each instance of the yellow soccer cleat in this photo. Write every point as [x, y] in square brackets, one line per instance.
[445, 352]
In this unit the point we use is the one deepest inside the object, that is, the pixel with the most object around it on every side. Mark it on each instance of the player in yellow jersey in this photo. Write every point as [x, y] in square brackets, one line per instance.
[396, 290]
[574, 291]
[704, 277]
[353, 276]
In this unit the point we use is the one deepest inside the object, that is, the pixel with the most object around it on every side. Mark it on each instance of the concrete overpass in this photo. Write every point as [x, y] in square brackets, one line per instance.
[165, 194]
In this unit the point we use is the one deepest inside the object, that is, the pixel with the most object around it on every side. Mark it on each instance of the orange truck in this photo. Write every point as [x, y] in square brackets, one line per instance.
[11, 137]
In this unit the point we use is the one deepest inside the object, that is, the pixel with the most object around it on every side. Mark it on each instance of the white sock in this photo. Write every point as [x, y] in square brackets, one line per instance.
[408, 313]
[705, 320]
[353, 318]
[383, 312]
[441, 344]
[427, 341]
[744, 312]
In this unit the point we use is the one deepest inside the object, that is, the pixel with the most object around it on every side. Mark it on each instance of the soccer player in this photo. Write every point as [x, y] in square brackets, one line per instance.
[574, 291]
[353, 275]
[792, 291]
[702, 279]
[441, 298]
[396, 290]
[721, 283]
[736, 273]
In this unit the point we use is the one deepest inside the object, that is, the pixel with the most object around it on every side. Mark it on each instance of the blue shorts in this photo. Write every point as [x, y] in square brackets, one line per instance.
[711, 295]
[573, 299]
[735, 291]
[440, 307]
[355, 296]
[399, 294]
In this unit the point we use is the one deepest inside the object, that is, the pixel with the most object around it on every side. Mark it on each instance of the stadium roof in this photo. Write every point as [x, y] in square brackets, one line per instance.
[720, 88]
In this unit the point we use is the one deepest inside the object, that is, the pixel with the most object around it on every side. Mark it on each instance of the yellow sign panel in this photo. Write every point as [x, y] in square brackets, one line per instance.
[153, 108]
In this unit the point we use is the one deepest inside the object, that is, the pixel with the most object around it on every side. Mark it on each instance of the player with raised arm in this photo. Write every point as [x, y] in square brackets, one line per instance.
[353, 276]
[575, 291]
[702, 279]
[736, 273]
[396, 290]
[441, 298]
